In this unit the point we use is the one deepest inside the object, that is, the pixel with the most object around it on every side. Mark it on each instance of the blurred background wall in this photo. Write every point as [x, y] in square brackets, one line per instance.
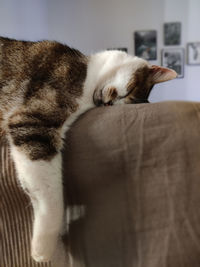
[24, 19]
[93, 25]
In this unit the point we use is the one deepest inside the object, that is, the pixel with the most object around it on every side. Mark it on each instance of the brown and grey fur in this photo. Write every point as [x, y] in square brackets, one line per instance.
[44, 87]
[39, 84]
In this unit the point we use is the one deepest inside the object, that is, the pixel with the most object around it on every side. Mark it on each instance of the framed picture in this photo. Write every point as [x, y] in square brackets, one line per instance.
[193, 53]
[172, 33]
[146, 44]
[173, 58]
[124, 49]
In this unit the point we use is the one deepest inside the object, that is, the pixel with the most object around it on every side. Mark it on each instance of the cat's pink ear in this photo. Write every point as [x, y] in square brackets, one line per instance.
[159, 74]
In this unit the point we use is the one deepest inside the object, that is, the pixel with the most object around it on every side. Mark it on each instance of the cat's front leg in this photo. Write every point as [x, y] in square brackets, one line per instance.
[43, 181]
[35, 143]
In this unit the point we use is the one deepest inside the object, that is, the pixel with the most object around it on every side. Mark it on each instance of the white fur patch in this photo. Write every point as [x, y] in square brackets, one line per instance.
[112, 69]
[105, 69]
[43, 181]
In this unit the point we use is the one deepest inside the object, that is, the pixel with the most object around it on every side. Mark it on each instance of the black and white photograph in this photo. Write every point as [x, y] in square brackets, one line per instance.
[193, 53]
[124, 49]
[173, 58]
[146, 44]
[172, 33]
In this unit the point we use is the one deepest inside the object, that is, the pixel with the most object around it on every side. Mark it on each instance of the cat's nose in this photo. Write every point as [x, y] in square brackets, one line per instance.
[98, 102]
[97, 98]
[109, 103]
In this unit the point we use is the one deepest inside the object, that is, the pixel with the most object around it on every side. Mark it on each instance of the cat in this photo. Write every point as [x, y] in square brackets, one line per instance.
[44, 87]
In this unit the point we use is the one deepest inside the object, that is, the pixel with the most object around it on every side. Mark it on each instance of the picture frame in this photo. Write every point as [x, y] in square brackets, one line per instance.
[172, 33]
[174, 58]
[146, 44]
[124, 49]
[193, 53]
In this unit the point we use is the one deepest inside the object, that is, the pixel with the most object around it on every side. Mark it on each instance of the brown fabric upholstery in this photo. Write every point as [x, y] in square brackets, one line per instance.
[133, 173]
[15, 217]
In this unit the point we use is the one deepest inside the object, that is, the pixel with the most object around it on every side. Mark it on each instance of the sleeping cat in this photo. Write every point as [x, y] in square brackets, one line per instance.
[44, 87]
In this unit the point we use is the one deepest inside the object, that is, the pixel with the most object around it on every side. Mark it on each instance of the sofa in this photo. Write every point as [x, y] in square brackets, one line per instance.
[131, 177]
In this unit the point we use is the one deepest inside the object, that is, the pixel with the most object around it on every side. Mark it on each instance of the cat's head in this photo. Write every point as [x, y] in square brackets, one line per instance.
[126, 79]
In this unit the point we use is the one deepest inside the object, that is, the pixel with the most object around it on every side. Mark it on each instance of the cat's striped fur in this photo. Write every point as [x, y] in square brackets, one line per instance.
[44, 87]
[39, 83]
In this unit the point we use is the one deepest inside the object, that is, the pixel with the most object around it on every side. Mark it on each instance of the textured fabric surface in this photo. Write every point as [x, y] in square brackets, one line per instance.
[132, 188]
[135, 169]
[15, 217]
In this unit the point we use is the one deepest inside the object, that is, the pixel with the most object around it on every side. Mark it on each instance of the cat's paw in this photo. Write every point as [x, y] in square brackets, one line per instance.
[39, 258]
[43, 248]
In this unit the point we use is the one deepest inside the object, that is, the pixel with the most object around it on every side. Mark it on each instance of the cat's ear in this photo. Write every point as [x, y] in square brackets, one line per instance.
[160, 74]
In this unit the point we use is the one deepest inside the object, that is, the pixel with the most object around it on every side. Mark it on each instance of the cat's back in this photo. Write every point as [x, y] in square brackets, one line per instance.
[41, 62]
[18, 53]
[31, 71]
[13, 52]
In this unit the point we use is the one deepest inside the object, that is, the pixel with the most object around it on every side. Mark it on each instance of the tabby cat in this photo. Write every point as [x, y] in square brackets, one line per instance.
[44, 87]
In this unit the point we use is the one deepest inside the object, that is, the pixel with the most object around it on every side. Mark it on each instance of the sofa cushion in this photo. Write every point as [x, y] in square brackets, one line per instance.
[131, 182]
[133, 171]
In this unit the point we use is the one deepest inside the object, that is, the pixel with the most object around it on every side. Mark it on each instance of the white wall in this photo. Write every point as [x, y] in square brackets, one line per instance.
[24, 19]
[93, 25]
[174, 10]
[193, 34]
